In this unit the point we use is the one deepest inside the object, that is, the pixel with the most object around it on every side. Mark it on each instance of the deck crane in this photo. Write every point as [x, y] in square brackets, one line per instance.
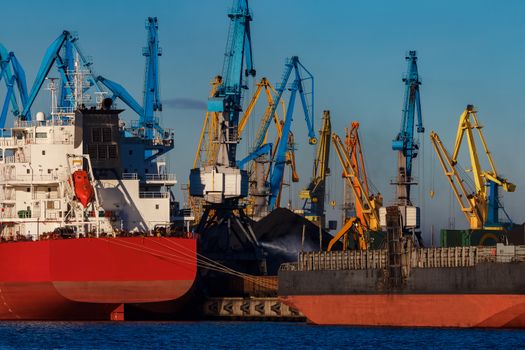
[61, 52]
[222, 184]
[315, 193]
[407, 147]
[481, 205]
[14, 76]
[370, 203]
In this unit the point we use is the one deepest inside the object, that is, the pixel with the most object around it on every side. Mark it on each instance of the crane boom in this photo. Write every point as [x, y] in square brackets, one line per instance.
[151, 101]
[12, 72]
[68, 42]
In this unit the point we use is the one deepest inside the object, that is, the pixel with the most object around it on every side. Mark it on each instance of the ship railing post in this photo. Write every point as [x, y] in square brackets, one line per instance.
[302, 238]
[320, 238]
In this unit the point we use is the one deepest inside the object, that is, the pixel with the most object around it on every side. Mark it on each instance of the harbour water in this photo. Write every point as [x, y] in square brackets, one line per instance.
[244, 335]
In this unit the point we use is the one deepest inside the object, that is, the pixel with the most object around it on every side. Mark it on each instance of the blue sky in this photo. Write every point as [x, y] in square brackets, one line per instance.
[469, 52]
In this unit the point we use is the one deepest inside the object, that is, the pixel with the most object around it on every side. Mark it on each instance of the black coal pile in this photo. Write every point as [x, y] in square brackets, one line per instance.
[280, 233]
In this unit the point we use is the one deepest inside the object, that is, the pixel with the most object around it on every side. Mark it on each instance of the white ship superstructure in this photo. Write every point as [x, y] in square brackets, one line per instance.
[131, 193]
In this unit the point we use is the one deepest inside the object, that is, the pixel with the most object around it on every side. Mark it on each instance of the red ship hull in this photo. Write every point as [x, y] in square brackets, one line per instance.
[413, 310]
[90, 278]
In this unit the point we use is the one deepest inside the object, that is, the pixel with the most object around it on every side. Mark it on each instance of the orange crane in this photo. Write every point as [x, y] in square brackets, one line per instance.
[367, 204]
[353, 147]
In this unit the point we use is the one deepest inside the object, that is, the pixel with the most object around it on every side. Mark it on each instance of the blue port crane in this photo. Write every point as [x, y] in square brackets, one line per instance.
[148, 122]
[63, 51]
[225, 103]
[303, 83]
[151, 102]
[405, 142]
[12, 72]
[303, 80]
[223, 210]
[227, 99]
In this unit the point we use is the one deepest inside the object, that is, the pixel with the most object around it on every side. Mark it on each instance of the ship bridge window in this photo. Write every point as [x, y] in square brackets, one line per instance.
[96, 135]
[43, 153]
[41, 135]
[92, 150]
[28, 171]
[112, 151]
[102, 152]
[106, 135]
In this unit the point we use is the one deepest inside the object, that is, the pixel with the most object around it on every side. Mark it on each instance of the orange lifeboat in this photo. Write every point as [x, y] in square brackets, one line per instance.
[83, 189]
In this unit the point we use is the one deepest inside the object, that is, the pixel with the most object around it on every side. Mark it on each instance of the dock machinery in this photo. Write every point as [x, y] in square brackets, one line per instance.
[315, 193]
[148, 126]
[407, 146]
[367, 203]
[269, 184]
[222, 184]
[480, 204]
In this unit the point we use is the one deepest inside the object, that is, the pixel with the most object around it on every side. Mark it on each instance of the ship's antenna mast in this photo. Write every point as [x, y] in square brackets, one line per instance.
[53, 90]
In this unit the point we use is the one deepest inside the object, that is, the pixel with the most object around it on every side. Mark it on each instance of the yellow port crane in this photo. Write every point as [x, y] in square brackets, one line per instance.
[354, 172]
[480, 205]
[315, 193]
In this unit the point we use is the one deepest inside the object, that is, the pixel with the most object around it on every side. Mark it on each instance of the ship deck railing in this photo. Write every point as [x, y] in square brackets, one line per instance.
[130, 176]
[161, 177]
[32, 178]
[152, 178]
[154, 194]
[415, 258]
[57, 121]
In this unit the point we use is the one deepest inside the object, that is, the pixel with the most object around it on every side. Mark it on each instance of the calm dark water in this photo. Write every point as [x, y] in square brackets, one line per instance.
[243, 335]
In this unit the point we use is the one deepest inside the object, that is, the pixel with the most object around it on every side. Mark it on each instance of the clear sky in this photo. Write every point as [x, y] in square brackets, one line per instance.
[470, 52]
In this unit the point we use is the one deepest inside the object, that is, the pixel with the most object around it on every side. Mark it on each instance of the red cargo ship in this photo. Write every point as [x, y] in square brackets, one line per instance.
[93, 278]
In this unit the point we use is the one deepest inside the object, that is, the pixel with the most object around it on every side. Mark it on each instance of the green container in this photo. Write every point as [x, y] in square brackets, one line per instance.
[465, 238]
[454, 238]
